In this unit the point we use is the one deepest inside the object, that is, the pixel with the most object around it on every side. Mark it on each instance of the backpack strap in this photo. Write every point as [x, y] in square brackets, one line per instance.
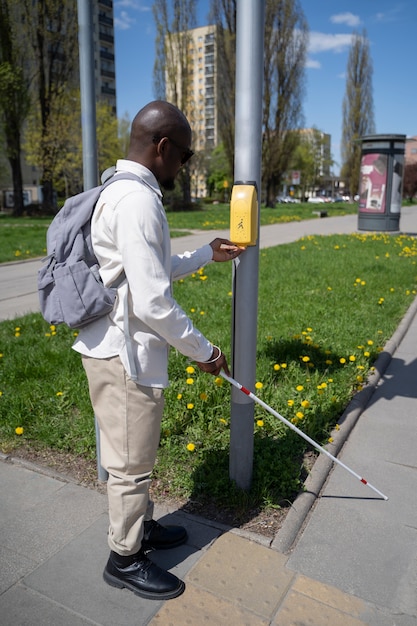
[108, 177]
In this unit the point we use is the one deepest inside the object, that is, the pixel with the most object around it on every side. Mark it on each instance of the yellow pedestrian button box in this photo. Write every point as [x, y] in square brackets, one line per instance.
[244, 214]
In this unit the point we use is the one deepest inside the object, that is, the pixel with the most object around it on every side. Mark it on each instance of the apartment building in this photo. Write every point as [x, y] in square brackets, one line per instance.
[201, 98]
[104, 57]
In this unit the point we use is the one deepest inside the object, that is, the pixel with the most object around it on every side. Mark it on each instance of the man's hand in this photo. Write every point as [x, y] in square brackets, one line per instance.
[215, 364]
[225, 250]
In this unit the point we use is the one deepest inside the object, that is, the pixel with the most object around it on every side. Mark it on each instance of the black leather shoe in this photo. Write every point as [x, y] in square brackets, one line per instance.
[141, 576]
[157, 537]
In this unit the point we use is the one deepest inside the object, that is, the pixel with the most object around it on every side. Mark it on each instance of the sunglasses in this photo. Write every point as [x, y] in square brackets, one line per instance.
[186, 153]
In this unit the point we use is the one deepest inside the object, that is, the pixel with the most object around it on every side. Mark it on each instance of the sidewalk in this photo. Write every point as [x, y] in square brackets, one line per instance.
[345, 558]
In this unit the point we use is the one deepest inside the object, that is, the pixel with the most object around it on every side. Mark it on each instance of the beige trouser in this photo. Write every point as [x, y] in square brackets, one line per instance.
[129, 417]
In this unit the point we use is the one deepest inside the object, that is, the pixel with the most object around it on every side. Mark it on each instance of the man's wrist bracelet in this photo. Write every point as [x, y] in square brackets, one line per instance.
[217, 357]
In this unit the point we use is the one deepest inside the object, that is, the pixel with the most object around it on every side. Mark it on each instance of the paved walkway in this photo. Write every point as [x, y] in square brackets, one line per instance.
[343, 557]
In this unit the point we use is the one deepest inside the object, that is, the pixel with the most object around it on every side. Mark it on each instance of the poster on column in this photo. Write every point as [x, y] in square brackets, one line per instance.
[373, 183]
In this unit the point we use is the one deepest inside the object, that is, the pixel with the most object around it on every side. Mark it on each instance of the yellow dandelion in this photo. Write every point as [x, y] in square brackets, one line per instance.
[190, 369]
[299, 387]
[190, 405]
[218, 381]
[305, 404]
[290, 402]
[305, 359]
[192, 310]
[190, 447]
[179, 396]
[367, 354]
[330, 440]
[342, 360]
[202, 313]
[329, 362]
[59, 393]
[352, 358]
[260, 423]
[19, 430]
[222, 420]
[259, 385]
[284, 366]
[370, 342]
[277, 367]
[300, 415]
[337, 427]
[190, 381]
[203, 396]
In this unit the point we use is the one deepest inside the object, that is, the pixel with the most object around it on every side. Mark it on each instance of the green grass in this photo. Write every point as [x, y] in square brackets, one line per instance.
[327, 306]
[25, 238]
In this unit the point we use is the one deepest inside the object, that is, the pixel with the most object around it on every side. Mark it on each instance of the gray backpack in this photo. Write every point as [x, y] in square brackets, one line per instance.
[69, 285]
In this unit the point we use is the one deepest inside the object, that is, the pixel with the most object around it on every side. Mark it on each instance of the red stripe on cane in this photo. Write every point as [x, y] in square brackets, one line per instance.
[245, 390]
[365, 482]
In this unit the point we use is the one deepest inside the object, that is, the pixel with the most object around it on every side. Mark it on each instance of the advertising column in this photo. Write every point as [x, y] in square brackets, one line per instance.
[380, 190]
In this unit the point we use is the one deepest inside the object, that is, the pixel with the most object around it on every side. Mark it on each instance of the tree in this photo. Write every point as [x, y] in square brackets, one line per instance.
[358, 109]
[312, 159]
[410, 181]
[51, 37]
[172, 69]
[284, 59]
[223, 15]
[219, 175]
[286, 34]
[14, 97]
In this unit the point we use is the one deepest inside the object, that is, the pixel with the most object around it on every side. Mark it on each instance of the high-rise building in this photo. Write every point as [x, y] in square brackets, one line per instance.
[104, 52]
[201, 98]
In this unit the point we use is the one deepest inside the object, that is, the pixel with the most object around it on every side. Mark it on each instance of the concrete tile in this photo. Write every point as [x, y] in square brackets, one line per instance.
[200, 533]
[300, 610]
[13, 568]
[22, 607]
[197, 606]
[329, 595]
[53, 521]
[73, 579]
[25, 490]
[245, 573]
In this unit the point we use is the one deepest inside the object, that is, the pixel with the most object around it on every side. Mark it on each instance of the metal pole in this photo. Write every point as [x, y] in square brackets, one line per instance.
[88, 126]
[248, 153]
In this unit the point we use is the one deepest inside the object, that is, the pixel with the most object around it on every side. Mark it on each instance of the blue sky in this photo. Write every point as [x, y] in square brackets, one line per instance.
[391, 29]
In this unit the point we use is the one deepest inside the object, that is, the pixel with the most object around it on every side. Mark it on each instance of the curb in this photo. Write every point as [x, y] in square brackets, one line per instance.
[303, 505]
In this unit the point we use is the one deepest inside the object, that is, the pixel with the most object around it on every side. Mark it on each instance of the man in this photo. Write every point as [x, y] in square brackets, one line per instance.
[125, 354]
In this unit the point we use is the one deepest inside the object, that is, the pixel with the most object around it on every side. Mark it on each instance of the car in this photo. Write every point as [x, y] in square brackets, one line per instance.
[286, 200]
[317, 200]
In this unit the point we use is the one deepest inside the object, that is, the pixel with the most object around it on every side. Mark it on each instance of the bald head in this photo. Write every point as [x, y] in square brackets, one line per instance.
[156, 119]
[160, 140]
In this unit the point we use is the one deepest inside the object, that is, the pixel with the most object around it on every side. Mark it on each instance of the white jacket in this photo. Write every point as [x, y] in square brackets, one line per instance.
[130, 233]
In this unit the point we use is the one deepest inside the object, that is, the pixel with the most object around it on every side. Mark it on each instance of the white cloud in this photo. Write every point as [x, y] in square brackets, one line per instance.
[322, 42]
[123, 21]
[312, 64]
[122, 18]
[346, 18]
[136, 5]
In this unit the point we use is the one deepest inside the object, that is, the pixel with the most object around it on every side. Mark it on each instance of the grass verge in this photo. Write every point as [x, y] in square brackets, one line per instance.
[327, 306]
[25, 238]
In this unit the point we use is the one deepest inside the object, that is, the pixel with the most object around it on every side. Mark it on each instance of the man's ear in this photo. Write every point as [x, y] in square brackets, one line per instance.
[162, 146]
